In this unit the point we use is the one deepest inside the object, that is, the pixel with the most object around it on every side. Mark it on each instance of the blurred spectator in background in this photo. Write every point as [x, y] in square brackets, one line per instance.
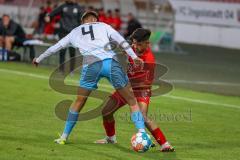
[90, 8]
[49, 26]
[40, 23]
[132, 25]
[113, 19]
[70, 13]
[12, 34]
[48, 8]
[102, 15]
[109, 18]
[117, 22]
[56, 22]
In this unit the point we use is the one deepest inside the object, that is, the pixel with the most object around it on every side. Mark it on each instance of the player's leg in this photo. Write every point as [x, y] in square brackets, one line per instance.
[62, 54]
[120, 82]
[1, 41]
[73, 114]
[136, 115]
[9, 40]
[62, 59]
[81, 99]
[109, 122]
[88, 82]
[31, 52]
[154, 129]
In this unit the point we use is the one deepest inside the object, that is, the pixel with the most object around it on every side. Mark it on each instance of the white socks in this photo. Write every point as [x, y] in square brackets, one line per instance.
[64, 136]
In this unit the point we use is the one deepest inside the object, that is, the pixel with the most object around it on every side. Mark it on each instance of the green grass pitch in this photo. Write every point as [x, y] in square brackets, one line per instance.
[28, 124]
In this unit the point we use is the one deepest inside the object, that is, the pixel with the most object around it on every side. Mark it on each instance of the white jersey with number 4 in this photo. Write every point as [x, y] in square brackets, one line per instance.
[90, 39]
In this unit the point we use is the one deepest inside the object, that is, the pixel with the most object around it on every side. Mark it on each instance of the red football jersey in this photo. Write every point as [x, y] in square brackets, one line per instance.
[142, 78]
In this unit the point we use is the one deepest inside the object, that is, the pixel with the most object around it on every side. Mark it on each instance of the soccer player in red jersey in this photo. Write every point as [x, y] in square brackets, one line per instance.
[109, 18]
[117, 22]
[101, 15]
[141, 80]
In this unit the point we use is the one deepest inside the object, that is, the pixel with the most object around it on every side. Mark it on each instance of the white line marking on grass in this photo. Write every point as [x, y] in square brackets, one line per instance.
[42, 76]
[201, 101]
[108, 86]
[24, 74]
[205, 83]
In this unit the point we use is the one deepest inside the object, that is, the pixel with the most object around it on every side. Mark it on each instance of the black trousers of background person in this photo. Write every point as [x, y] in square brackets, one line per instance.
[63, 53]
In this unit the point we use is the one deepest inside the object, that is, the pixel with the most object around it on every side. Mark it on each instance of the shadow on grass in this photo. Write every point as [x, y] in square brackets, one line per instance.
[98, 149]
[94, 151]
[153, 153]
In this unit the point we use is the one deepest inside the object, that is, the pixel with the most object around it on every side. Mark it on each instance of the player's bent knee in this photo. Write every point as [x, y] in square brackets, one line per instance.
[105, 112]
[108, 112]
[108, 117]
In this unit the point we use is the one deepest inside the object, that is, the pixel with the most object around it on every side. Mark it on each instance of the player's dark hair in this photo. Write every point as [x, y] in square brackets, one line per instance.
[100, 9]
[91, 8]
[109, 12]
[49, 2]
[141, 35]
[5, 15]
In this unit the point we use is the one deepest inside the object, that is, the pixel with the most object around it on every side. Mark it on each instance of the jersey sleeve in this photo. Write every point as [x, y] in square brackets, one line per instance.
[63, 43]
[114, 35]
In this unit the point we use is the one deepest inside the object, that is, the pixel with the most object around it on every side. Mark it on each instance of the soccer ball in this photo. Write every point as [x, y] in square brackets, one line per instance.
[141, 142]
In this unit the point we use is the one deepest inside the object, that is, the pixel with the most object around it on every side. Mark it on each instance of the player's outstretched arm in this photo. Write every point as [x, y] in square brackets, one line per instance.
[63, 43]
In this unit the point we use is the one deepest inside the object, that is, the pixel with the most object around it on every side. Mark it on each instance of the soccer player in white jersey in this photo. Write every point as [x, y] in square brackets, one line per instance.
[90, 38]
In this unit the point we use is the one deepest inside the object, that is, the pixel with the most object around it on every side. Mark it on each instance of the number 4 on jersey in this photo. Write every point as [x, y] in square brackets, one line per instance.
[90, 31]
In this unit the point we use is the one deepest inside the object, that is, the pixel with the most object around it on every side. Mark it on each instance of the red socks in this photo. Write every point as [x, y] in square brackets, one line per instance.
[157, 133]
[159, 136]
[109, 128]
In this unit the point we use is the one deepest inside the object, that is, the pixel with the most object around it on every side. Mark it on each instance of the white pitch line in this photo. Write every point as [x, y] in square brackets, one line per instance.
[201, 101]
[205, 83]
[41, 76]
[24, 74]
[108, 86]
[173, 81]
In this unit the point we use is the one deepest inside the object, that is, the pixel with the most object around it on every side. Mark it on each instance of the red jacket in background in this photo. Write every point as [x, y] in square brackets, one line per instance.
[102, 18]
[117, 23]
[49, 27]
[109, 21]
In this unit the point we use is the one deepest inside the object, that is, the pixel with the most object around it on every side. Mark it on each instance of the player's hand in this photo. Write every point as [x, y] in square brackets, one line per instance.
[34, 62]
[138, 62]
[47, 19]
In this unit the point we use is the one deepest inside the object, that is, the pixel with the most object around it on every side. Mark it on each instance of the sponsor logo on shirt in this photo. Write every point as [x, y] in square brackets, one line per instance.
[75, 10]
[65, 9]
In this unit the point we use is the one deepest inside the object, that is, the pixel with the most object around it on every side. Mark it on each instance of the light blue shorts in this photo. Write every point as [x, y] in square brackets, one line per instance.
[108, 68]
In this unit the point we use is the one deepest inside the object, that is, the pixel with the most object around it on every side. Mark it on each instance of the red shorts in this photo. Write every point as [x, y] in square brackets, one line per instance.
[140, 96]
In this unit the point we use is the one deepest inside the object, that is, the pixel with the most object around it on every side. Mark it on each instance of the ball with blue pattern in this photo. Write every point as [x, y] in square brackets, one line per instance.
[147, 142]
[141, 142]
